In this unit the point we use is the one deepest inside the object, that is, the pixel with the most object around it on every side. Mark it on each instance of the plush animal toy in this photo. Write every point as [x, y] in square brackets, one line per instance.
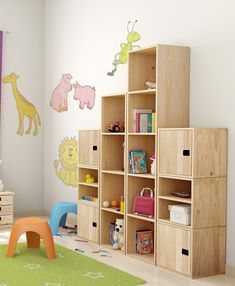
[118, 236]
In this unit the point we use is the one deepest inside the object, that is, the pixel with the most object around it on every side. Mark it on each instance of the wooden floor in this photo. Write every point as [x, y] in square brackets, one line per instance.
[154, 276]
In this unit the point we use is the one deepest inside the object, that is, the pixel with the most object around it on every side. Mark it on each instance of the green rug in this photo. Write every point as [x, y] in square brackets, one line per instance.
[30, 267]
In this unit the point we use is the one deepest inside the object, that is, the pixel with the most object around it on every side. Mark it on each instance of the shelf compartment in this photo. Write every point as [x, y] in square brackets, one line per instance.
[168, 185]
[135, 186]
[84, 190]
[145, 143]
[133, 225]
[112, 187]
[107, 218]
[113, 110]
[163, 211]
[139, 101]
[142, 68]
[111, 146]
[82, 174]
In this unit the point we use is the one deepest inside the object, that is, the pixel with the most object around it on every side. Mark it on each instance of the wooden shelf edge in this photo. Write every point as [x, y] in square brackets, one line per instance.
[143, 91]
[175, 199]
[141, 134]
[148, 175]
[153, 220]
[114, 172]
[113, 133]
[174, 224]
[112, 211]
[88, 167]
[94, 185]
[88, 203]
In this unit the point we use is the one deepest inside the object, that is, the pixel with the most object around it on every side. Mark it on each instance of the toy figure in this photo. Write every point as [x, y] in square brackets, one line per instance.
[153, 165]
[89, 179]
[118, 236]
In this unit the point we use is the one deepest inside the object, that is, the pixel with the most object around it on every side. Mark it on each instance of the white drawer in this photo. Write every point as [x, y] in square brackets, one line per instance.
[6, 200]
[6, 219]
[6, 210]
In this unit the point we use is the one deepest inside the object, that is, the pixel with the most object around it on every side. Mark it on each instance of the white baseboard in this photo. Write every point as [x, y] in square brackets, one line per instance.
[230, 270]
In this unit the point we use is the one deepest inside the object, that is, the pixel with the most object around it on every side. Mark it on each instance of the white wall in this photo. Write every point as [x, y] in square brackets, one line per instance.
[22, 168]
[82, 38]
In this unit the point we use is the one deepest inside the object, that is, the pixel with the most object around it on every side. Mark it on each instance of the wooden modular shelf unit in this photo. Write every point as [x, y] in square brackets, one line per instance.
[88, 163]
[192, 160]
[168, 66]
[6, 209]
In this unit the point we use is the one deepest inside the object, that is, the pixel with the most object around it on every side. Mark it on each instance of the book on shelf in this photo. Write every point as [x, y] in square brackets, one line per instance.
[138, 162]
[144, 241]
[136, 117]
[154, 122]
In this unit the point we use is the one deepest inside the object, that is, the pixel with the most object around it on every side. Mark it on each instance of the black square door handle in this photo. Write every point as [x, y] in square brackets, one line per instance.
[186, 152]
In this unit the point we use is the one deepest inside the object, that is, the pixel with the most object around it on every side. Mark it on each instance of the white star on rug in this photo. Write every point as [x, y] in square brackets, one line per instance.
[94, 275]
[52, 284]
[3, 284]
[60, 255]
[32, 266]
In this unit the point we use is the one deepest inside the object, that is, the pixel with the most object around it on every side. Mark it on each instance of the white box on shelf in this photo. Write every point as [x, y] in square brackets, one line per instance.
[180, 214]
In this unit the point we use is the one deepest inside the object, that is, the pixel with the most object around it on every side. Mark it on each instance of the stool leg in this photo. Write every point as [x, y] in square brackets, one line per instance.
[15, 234]
[33, 239]
[49, 242]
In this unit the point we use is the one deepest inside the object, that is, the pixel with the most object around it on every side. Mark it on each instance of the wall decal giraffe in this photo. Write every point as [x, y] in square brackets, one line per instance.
[24, 107]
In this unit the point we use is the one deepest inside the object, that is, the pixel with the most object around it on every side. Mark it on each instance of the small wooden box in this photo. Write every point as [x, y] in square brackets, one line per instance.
[194, 152]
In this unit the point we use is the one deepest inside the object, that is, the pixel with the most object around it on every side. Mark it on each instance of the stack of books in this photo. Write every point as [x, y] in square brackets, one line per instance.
[144, 121]
[144, 241]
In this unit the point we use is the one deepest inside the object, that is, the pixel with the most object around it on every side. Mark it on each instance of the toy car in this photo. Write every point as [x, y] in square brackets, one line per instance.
[116, 127]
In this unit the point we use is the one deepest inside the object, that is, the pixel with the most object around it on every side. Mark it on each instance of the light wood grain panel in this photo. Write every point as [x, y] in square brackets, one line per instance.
[88, 222]
[210, 152]
[209, 202]
[208, 251]
[172, 86]
[171, 241]
[88, 147]
[172, 144]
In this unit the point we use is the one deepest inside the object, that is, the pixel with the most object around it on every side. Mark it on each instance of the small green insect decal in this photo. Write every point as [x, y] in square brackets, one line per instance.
[121, 57]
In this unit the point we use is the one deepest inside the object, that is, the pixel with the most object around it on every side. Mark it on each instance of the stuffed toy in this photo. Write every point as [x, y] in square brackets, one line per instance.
[118, 236]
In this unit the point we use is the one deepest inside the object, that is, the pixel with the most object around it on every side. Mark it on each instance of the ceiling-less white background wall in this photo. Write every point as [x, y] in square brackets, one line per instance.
[22, 167]
[81, 38]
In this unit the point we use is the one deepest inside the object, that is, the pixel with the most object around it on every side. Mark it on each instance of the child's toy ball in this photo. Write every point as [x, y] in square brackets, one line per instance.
[114, 204]
[106, 204]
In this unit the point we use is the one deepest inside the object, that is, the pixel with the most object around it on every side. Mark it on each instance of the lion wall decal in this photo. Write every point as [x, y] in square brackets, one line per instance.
[68, 160]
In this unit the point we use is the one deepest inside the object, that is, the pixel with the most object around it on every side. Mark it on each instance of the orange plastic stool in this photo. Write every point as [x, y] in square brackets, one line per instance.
[35, 228]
